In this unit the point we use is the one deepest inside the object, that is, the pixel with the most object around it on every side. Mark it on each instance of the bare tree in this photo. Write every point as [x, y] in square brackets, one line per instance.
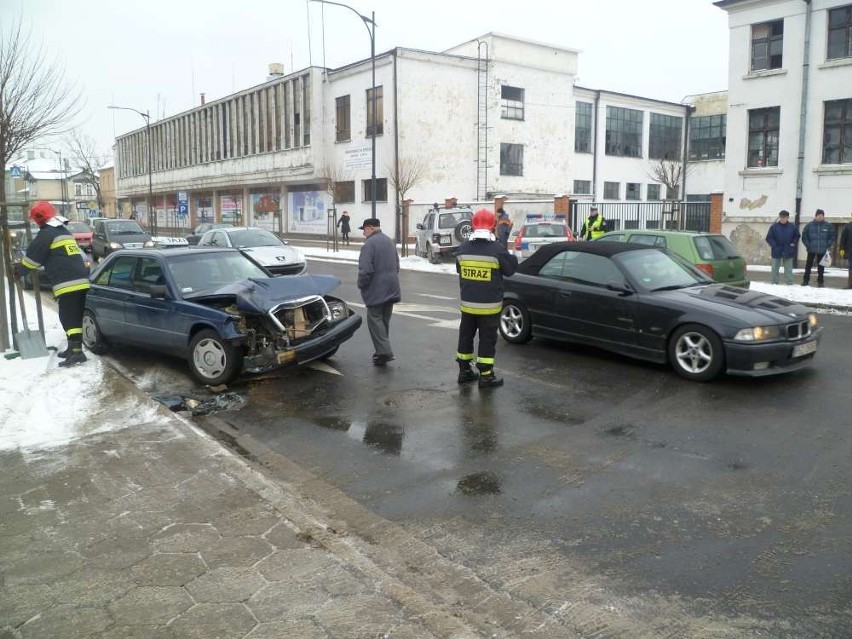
[87, 160]
[669, 173]
[332, 176]
[35, 103]
[404, 175]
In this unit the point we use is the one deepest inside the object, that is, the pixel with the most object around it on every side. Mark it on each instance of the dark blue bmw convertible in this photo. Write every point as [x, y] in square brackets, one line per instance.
[215, 307]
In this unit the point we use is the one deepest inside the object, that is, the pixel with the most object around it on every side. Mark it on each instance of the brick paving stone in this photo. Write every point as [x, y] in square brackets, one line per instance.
[168, 569]
[137, 632]
[284, 537]
[20, 603]
[118, 552]
[150, 605]
[62, 622]
[92, 587]
[213, 621]
[43, 568]
[359, 616]
[295, 565]
[246, 521]
[282, 601]
[237, 551]
[186, 538]
[299, 629]
[226, 585]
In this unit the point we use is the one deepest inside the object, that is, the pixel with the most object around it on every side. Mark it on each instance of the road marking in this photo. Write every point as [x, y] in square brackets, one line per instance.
[405, 311]
[437, 297]
[323, 367]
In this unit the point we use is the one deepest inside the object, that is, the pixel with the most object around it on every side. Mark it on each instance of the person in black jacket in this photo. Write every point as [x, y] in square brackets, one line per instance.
[846, 250]
[481, 263]
[345, 229]
[57, 251]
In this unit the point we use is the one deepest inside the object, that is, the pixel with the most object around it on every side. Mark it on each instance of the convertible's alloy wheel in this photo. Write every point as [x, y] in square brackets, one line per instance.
[210, 358]
[694, 352]
[512, 321]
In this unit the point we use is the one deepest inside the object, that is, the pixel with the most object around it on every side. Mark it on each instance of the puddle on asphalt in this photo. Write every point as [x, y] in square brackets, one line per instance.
[386, 438]
[484, 483]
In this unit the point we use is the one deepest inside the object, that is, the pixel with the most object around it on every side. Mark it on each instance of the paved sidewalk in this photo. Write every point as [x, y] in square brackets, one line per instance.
[157, 531]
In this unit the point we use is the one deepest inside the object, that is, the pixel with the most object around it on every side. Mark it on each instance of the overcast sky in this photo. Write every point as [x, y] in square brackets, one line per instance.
[159, 55]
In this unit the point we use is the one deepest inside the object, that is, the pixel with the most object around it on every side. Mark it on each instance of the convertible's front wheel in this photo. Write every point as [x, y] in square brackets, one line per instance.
[696, 353]
[515, 323]
[212, 360]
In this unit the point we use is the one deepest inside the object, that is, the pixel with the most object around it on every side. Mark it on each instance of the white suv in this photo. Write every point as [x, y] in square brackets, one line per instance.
[442, 231]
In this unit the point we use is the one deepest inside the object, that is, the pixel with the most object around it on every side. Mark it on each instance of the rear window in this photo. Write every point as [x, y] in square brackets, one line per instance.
[449, 220]
[545, 230]
[715, 247]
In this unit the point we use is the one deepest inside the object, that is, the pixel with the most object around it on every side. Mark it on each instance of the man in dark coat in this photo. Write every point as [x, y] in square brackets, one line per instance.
[783, 237]
[817, 237]
[846, 250]
[378, 281]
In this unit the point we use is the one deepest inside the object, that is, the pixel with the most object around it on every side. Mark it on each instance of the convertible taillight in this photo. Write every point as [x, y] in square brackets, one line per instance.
[707, 268]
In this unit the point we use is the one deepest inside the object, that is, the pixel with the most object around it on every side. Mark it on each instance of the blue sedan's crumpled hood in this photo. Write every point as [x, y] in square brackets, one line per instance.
[259, 295]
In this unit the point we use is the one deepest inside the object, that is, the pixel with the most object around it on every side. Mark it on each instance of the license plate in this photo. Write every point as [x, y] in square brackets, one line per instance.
[804, 349]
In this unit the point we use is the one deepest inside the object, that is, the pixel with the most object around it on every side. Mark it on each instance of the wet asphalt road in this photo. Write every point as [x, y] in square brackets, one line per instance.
[654, 502]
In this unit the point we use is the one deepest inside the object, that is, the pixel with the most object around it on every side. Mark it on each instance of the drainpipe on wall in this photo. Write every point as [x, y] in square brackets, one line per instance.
[595, 149]
[684, 161]
[401, 235]
[800, 168]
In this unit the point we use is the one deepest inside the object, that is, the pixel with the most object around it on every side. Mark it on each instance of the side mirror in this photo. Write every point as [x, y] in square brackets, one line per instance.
[619, 287]
[159, 291]
[420, 227]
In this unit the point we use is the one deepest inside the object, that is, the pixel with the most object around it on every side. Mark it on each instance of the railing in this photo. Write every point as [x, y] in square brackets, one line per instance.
[687, 216]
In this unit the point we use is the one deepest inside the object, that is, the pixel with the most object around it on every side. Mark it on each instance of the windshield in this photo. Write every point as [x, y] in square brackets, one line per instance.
[125, 227]
[657, 270]
[78, 227]
[253, 237]
[209, 271]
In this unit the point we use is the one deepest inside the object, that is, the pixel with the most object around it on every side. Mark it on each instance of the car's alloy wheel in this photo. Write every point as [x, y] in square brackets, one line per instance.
[696, 353]
[92, 338]
[515, 323]
[212, 360]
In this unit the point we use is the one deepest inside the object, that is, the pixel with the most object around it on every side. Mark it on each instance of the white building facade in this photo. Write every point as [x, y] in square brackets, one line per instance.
[789, 141]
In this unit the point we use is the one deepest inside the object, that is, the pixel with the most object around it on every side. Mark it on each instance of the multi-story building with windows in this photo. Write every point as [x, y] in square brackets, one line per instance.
[789, 121]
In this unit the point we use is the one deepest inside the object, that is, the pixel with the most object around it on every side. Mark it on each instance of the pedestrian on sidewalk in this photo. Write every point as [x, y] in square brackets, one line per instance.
[345, 229]
[57, 251]
[504, 227]
[846, 251]
[481, 263]
[378, 281]
[818, 236]
[783, 237]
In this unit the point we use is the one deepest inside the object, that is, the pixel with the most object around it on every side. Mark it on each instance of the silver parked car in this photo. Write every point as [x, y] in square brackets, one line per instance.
[261, 246]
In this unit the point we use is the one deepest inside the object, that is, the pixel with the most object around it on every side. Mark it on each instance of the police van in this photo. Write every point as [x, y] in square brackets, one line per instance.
[539, 229]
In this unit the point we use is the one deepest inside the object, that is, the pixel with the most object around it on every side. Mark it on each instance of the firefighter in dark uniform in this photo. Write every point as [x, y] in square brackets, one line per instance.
[57, 251]
[481, 263]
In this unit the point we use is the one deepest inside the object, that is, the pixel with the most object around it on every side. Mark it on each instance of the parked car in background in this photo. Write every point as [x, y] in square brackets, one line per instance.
[713, 253]
[216, 308]
[112, 235]
[260, 245]
[538, 230]
[202, 228]
[652, 304]
[82, 232]
[19, 250]
[442, 231]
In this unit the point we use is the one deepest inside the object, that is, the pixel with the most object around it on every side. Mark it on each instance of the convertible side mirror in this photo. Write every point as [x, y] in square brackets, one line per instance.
[420, 227]
[619, 287]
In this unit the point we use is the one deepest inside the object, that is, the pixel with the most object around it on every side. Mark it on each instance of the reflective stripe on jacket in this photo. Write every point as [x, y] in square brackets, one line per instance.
[481, 265]
[593, 228]
[56, 249]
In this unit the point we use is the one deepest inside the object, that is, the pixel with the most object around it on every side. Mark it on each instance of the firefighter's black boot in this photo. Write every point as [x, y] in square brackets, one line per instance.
[65, 353]
[487, 379]
[74, 352]
[466, 372]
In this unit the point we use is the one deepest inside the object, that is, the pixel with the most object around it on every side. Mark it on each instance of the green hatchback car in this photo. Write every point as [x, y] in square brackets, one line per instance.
[713, 253]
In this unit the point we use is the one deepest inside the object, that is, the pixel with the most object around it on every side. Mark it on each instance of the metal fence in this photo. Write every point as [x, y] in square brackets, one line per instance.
[687, 216]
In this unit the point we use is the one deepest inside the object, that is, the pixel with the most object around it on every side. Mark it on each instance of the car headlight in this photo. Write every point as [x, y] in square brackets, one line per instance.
[150, 244]
[812, 320]
[114, 246]
[758, 334]
[338, 309]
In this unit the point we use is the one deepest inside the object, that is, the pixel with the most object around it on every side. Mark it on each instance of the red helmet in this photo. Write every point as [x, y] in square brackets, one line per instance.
[41, 212]
[483, 219]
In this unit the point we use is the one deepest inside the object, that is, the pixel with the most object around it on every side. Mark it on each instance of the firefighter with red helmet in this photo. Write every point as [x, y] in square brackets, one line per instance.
[57, 251]
[481, 263]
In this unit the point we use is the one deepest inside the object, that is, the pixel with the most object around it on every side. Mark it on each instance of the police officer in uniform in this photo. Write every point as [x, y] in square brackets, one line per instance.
[56, 249]
[481, 263]
[594, 226]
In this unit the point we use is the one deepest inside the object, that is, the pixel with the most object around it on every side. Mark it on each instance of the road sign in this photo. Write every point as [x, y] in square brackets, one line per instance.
[15, 171]
[182, 203]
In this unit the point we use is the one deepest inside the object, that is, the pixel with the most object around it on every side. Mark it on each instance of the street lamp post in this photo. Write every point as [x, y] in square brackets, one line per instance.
[152, 214]
[370, 23]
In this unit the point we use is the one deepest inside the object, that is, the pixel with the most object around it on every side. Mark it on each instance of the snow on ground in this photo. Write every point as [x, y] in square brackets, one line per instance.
[44, 406]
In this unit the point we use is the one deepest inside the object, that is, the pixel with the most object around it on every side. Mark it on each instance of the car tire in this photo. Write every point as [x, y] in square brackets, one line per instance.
[434, 258]
[93, 340]
[696, 353]
[515, 326]
[463, 230]
[212, 360]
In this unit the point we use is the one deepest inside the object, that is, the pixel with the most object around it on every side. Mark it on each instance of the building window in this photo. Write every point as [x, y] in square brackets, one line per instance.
[381, 190]
[840, 33]
[342, 122]
[763, 128]
[664, 138]
[511, 159]
[653, 192]
[583, 127]
[511, 103]
[380, 112]
[767, 41]
[345, 191]
[837, 132]
[707, 137]
[582, 187]
[611, 190]
[634, 191]
[623, 132]
[306, 120]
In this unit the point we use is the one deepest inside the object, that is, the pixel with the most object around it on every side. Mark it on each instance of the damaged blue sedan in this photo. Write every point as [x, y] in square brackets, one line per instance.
[216, 308]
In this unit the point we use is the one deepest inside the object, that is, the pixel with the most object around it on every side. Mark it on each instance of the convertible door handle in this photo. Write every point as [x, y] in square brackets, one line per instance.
[565, 293]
